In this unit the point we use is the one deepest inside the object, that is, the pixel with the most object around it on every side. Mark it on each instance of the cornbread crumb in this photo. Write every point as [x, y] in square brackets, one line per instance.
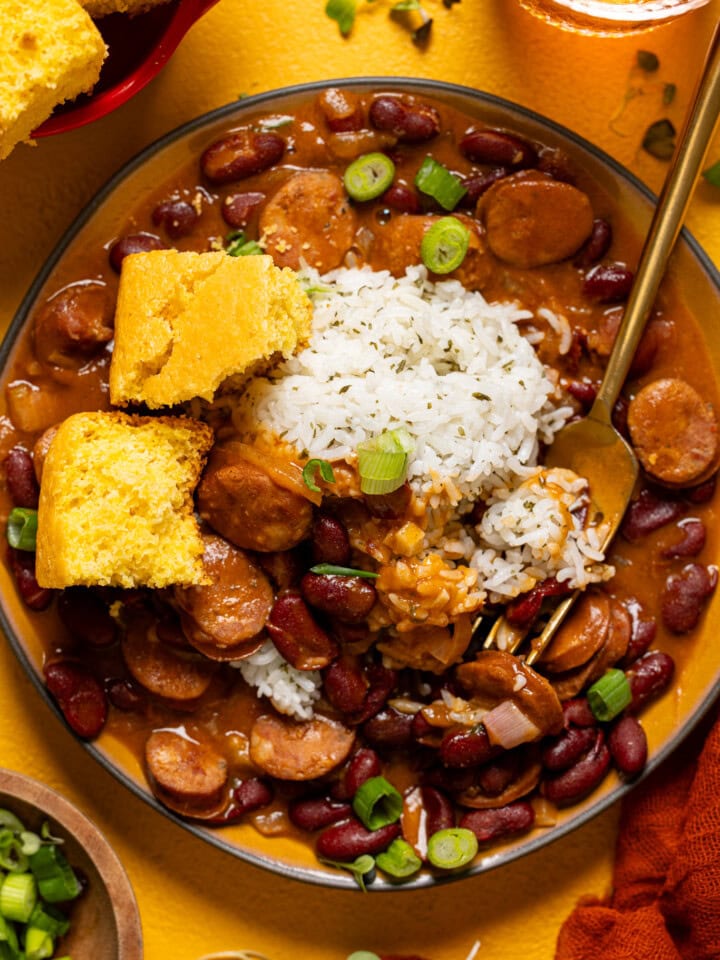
[50, 51]
[100, 8]
[186, 323]
[116, 502]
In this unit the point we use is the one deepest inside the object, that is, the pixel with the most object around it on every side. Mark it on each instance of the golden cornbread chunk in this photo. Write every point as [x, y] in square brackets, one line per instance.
[116, 502]
[187, 322]
[50, 51]
[100, 8]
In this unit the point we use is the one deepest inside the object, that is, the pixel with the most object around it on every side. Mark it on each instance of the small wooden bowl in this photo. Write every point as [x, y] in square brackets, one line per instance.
[105, 923]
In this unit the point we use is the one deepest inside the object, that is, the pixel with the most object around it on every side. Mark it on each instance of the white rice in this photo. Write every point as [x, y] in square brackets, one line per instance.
[291, 691]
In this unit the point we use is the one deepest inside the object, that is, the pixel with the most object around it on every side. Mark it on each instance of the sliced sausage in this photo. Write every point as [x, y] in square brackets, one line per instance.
[535, 220]
[242, 502]
[310, 218]
[74, 325]
[617, 638]
[397, 246]
[434, 649]
[222, 617]
[674, 431]
[518, 786]
[163, 670]
[188, 771]
[292, 750]
[581, 636]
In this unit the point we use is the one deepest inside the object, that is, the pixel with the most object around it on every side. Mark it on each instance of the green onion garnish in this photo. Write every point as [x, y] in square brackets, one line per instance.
[377, 803]
[362, 868]
[343, 12]
[451, 848]
[383, 460]
[38, 944]
[22, 528]
[238, 245]
[444, 246]
[362, 955]
[712, 174]
[332, 570]
[55, 877]
[609, 695]
[49, 918]
[308, 474]
[369, 176]
[18, 896]
[9, 820]
[437, 182]
[399, 860]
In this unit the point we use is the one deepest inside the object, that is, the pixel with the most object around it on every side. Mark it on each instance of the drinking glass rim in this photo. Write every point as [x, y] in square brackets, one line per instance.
[629, 11]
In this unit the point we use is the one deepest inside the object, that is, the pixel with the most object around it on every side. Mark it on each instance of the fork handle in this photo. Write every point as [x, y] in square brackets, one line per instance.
[664, 229]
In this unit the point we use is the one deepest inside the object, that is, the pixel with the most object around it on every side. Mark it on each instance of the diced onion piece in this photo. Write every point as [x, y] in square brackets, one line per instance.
[507, 726]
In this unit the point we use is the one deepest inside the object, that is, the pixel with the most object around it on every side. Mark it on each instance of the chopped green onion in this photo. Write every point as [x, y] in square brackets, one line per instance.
[343, 12]
[22, 528]
[362, 868]
[18, 896]
[55, 877]
[308, 474]
[47, 917]
[369, 176]
[444, 246]
[12, 857]
[609, 695]
[362, 955]
[38, 944]
[9, 820]
[332, 570]
[437, 182]
[383, 460]
[377, 803]
[8, 937]
[451, 848]
[712, 174]
[30, 842]
[399, 860]
[237, 245]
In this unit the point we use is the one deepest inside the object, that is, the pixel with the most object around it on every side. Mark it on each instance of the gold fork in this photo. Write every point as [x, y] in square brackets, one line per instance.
[592, 447]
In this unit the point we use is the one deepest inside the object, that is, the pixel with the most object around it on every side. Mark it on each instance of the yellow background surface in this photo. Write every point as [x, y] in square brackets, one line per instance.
[193, 898]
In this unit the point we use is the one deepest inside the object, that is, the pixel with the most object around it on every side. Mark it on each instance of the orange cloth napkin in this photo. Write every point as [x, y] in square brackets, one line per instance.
[666, 899]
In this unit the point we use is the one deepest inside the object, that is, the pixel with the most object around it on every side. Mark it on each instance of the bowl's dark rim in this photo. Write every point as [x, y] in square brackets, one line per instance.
[210, 835]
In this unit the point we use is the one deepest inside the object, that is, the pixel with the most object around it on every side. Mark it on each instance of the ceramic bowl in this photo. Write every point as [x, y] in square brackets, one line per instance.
[105, 923]
[667, 722]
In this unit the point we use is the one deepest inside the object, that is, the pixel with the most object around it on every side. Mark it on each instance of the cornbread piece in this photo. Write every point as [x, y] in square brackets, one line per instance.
[50, 51]
[186, 322]
[100, 8]
[116, 505]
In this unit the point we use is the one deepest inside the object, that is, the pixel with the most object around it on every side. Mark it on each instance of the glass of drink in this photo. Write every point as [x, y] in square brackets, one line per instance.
[609, 17]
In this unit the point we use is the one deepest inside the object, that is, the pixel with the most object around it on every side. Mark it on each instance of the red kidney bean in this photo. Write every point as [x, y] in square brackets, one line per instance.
[692, 540]
[346, 685]
[597, 244]
[649, 677]
[573, 784]
[650, 512]
[22, 564]
[350, 599]
[303, 643]
[499, 149]
[557, 164]
[421, 728]
[362, 766]
[478, 184]
[496, 822]
[350, 839]
[583, 392]
[642, 634]
[620, 415]
[21, 480]
[563, 751]
[608, 282]
[389, 506]
[133, 243]
[342, 110]
[241, 154]
[438, 810]
[176, 217]
[330, 541]
[125, 695]
[237, 209]
[381, 684]
[496, 776]
[314, 813]
[408, 120]
[79, 696]
[524, 609]
[684, 594]
[647, 350]
[577, 713]
[86, 616]
[388, 729]
[628, 746]
[402, 198]
[704, 492]
[467, 747]
[251, 794]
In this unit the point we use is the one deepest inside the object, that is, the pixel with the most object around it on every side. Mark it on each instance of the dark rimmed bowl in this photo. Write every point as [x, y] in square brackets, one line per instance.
[105, 923]
[667, 722]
